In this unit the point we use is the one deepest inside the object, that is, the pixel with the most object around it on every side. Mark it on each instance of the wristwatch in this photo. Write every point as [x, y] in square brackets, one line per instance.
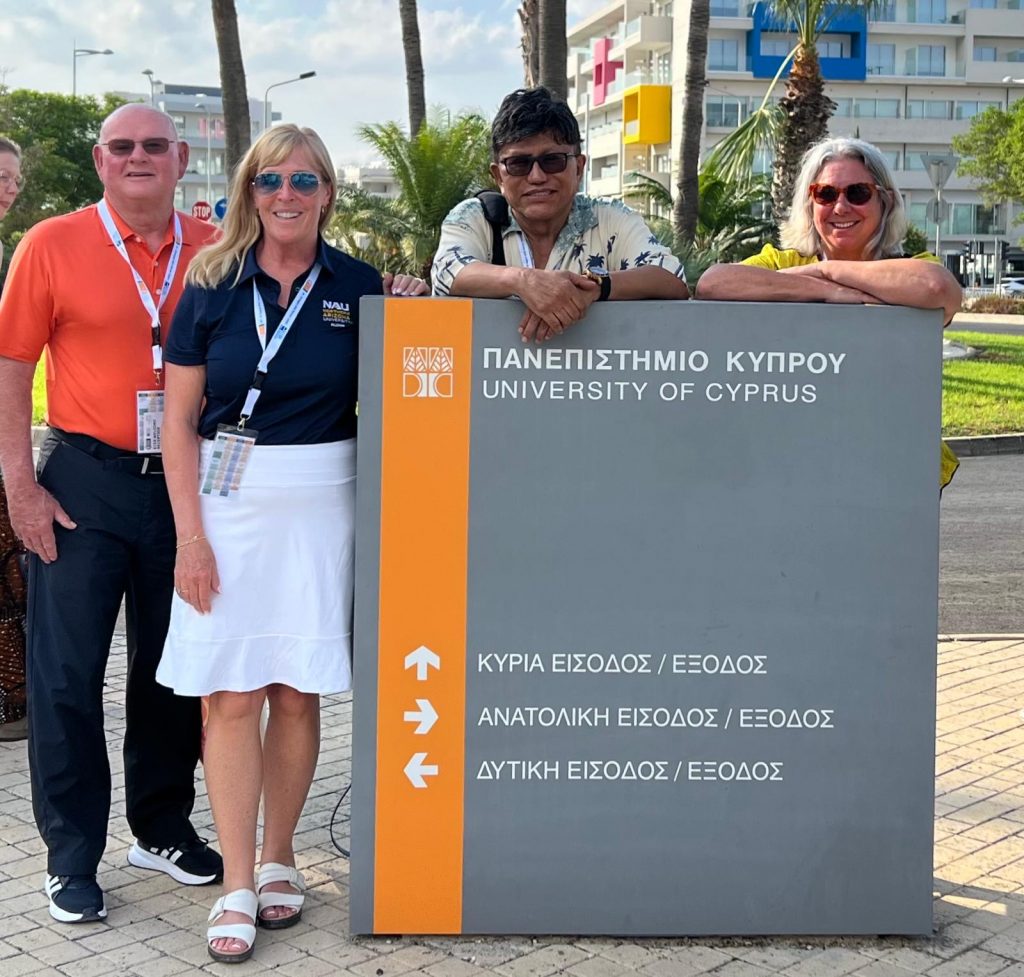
[603, 279]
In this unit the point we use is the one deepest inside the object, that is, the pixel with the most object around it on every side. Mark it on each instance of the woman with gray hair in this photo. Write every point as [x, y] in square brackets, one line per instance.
[842, 243]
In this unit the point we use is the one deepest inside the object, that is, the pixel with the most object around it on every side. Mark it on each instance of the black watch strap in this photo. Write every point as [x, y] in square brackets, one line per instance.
[606, 288]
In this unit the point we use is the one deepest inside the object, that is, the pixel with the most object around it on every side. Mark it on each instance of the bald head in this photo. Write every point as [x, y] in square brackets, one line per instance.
[157, 122]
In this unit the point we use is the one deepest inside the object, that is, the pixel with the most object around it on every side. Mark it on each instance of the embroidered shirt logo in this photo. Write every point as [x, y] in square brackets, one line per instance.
[428, 371]
[337, 314]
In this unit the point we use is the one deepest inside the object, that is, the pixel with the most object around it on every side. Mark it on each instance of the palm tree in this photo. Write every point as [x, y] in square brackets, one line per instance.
[687, 199]
[530, 43]
[800, 118]
[729, 227]
[237, 125]
[553, 46]
[443, 164]
[413, 64]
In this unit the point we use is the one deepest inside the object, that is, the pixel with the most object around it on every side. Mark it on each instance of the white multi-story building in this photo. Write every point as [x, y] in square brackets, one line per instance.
[198, 113]
[908, 80]
[375, 178]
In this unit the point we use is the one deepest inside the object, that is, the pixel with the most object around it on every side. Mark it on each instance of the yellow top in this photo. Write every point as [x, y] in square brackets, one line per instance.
[777, 259]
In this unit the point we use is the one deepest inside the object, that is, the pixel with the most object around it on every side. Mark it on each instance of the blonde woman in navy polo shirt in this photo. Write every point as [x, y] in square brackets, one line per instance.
[262, 367]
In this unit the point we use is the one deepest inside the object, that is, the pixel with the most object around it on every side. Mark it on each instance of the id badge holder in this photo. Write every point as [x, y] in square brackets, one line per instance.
[149, 419]
[222, 474]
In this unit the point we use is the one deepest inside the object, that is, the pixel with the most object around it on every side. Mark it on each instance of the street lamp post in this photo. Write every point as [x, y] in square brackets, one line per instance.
[209, 127]
[81, 52]
[153, 82]
[278, 84]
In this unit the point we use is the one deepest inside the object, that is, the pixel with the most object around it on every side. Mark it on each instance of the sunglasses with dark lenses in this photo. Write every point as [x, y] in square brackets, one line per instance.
[857, 194]
[549, 163]
[301, 182]
[156, 146]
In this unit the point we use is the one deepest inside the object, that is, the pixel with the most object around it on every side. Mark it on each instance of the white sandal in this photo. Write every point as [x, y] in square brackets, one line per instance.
[240, 901]
[275, 872]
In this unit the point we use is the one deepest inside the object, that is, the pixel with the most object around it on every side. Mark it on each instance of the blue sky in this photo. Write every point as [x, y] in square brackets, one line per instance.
[470, 52]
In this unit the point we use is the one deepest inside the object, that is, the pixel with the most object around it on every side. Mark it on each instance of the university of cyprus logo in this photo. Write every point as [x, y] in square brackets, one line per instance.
[427, 371]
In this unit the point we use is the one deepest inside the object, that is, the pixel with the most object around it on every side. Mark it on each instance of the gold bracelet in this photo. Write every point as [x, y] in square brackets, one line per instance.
[189, 542]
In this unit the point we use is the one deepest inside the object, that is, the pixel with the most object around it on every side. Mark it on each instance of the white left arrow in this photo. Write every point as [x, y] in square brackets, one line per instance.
[421, 659]
[426, 717]
[416, 770]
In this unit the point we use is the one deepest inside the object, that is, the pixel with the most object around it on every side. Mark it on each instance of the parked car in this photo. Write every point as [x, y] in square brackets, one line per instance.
[1012, 286]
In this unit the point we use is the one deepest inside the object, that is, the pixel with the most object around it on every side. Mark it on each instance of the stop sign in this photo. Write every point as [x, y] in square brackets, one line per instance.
[202, 210]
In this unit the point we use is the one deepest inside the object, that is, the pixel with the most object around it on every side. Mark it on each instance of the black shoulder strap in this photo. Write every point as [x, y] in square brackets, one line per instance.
[496, 211]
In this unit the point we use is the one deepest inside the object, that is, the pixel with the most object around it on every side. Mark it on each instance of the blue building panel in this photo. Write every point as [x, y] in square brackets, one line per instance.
[851, 68]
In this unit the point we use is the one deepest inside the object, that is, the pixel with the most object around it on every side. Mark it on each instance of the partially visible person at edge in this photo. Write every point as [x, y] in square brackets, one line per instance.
[561, 250]
[97, 289]
[842, 243]
[264, 573]
[13, 721]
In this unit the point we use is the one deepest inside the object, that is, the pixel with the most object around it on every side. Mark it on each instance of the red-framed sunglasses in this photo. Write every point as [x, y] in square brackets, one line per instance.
[857, 194]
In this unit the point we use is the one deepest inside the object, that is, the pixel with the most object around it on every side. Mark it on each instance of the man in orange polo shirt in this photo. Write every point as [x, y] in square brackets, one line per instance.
[97, 288]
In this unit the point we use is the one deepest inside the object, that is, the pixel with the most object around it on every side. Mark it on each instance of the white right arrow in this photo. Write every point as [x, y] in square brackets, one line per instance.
[416, 770]
[422, 658]
[426, 717]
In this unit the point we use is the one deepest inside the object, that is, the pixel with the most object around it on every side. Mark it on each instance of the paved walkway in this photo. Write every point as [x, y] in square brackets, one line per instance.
[155, 927]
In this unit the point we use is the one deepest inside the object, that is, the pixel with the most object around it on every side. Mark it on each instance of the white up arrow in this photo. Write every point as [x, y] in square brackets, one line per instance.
[426, 717]
[416, 770]
[422, 658]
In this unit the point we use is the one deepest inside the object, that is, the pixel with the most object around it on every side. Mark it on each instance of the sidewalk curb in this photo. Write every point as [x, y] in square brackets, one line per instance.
[945, 638]
[987, 444]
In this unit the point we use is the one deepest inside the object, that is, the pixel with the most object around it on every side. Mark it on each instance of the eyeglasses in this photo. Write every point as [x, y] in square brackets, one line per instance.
[155, 146]
[549, 163]
[857, 194]
[7, 179]
[302, 182]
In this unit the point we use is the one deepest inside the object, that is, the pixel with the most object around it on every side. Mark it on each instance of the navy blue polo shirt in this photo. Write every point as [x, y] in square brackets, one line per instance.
[309, 394]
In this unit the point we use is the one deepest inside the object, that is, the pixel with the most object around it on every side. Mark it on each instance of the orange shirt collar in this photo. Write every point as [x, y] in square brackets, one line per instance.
[127, 233]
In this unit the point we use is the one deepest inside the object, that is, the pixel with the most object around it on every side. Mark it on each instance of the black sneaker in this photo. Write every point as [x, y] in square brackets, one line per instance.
[191, 863]
[75, 898]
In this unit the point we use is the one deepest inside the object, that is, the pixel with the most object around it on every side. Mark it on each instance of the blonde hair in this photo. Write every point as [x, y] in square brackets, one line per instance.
[798, 231]
[242, 228]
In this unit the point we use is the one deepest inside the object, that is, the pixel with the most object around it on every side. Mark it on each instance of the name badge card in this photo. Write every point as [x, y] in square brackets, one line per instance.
[149, 419]
[222, 474]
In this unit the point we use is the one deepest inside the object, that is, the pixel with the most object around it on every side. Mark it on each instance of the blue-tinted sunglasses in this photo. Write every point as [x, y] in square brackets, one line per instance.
[301, 182]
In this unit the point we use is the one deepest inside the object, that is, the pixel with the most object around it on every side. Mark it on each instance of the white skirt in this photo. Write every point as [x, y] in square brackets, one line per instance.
[284, 550]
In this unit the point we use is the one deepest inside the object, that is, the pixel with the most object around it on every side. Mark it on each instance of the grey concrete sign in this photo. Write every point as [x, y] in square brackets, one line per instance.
[645, 620]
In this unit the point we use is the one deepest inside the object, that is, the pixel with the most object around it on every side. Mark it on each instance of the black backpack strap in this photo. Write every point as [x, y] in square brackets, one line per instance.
[496, 211]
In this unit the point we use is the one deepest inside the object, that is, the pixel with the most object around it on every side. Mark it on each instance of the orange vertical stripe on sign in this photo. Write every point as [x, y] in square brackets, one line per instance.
[422, 634]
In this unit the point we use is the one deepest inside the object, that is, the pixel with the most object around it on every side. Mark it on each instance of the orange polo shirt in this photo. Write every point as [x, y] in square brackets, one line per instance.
[69, 290]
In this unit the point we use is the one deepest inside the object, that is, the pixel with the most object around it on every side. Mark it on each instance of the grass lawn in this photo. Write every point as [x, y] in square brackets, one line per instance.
[984, 395]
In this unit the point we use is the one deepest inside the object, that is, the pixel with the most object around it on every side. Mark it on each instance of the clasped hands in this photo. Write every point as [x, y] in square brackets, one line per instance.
[554, 300]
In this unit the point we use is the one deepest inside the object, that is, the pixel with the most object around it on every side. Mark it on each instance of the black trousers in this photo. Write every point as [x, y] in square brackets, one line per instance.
[123, 547]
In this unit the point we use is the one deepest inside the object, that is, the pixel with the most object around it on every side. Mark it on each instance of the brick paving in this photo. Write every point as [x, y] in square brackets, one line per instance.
[155, 927]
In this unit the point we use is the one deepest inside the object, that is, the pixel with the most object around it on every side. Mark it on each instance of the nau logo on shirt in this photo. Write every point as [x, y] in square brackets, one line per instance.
[428, 371]
[337, 314]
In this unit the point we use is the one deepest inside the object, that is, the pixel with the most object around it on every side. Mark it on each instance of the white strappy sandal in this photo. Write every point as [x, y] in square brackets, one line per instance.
[240, 901]
[275, 872]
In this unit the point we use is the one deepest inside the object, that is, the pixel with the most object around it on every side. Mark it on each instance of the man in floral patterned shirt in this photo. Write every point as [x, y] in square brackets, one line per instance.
[562, 249]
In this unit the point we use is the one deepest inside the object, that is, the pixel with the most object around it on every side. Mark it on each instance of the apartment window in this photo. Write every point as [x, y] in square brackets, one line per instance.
[179, 198]
[830, 49]
[927, 11]
[892, 157]
[844, 107]
[984, 52]
[983, 4]
[1017, 55]
[876, 108]
[763, 160]
[917, 215]
[886, 12]
[725, 8]
[929, 108]
[774, 49]
[927, 59]
[968, 110]
[179, 123]
[912, 159]
[721, 111]
[881, 59]
[723, 55]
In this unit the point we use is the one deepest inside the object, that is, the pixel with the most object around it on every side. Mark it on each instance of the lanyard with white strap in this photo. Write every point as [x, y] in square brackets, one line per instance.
[151, 307]
[270, 349]
[525, 254]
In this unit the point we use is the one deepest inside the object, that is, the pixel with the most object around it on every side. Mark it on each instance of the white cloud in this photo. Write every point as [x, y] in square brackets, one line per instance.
[470, 53]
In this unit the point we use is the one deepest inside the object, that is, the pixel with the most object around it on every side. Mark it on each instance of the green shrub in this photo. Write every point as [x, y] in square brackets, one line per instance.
[996, 305]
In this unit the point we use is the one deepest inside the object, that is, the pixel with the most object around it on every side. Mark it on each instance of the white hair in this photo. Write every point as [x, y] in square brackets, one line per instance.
[798, 231]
